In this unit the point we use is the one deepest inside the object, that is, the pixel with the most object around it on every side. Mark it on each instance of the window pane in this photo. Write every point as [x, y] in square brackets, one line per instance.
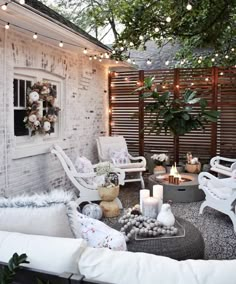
[15, 86]
[22, 93]
[28, 85]
[20, 128]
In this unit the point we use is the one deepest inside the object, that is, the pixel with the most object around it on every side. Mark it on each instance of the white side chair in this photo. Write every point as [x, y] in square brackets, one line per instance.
[87, 192]
[218, 167]
[220, 194]
[136, 166]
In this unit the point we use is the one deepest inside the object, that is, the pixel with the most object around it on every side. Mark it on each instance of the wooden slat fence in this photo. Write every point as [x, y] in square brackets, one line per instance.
[216, 85]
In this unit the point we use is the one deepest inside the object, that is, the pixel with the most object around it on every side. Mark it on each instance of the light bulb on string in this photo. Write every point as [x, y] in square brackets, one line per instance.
[167, 62]
[4, 6]
[141, 37]
[157, 30]
[100, 59]
[90, 57]
[22, 2]
[213, 59]
[121, 48]
[117, 61]
[101, 55]
[35, 36]
[221, 73]
[149, 62]
[131, 43]
[106, 55]
[216, 55]
[189, 7]
[168, 19]
[128, 60]
[61, 44]
[226, 56]
[95, 57]
[85, 51]
[7, 26]
[133, 62]
[232, 49]
[113, 51]
[199, 61]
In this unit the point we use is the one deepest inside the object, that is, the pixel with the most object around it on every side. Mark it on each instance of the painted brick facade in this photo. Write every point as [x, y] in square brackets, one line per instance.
[85, 111]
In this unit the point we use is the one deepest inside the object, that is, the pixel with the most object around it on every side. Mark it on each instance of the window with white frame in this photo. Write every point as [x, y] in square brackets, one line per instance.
[23, 80]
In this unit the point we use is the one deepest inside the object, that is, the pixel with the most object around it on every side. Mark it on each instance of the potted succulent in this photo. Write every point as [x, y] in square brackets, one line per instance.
[159, 160]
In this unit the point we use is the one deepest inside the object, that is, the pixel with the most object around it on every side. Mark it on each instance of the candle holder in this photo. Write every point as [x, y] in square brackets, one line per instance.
[171, 179]
[150, 207]
[176, 180]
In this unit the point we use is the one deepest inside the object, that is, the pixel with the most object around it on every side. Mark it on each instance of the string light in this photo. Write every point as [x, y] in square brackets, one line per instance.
[221, 73]
[117, 61]
[141, 37]
[216, 55]
[85, 51]
[131, 43]
[61, 44]
[128, 60]
[213, 59]
[168, 19]
[7, 26]
[149, 62]
[157, 30]
[95, 57]
[113, 51]
[106, 55]
[4, 6]
[189, 7]
[207, 79]
[121, 48]
[22, 2]
[192, 84]
[199, 61]
[35, 36]
[133, 62]
[100, 59]
[90, 57]
[101, 55]
[167, 62]
[226, 56]
[232, 49]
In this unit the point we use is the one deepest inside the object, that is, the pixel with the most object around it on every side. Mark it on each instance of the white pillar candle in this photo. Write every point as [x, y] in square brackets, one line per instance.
[157, 192]
[143, 193]
[150, 207]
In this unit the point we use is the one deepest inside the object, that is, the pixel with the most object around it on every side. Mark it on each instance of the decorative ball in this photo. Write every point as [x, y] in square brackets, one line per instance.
[33, 97]
[32, 118]
[92, 210]
[46, 125]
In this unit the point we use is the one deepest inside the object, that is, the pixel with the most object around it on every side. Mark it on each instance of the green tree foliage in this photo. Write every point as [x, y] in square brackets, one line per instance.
[210, 25]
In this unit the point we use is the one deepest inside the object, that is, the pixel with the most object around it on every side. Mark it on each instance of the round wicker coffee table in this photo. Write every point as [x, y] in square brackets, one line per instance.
[191, 246]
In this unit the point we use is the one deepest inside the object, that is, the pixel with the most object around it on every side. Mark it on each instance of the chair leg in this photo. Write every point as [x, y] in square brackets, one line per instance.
[204, 204]
[142, 181]
[232, 216]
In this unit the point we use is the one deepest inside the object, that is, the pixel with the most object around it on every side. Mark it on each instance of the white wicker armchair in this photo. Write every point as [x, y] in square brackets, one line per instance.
[217, 166]
[220, 194]
[87, 192]
[136, 166]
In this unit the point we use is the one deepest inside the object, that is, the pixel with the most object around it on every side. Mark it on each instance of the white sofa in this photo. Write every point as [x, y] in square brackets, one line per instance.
[58, 255]
[23, 231]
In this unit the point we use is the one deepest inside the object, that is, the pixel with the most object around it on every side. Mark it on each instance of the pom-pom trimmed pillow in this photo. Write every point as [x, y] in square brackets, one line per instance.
[39, 214]
[119, 157]
[96, 233]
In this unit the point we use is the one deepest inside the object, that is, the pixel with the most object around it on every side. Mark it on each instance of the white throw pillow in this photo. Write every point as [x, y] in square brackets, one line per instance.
[84, 166]
[39, 214]
[119, 157]
[56, 255]
[96, 233]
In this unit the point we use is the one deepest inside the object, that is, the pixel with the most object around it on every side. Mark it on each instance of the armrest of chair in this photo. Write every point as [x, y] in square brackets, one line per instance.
[138, 158]
[84, 175]
[215, 161]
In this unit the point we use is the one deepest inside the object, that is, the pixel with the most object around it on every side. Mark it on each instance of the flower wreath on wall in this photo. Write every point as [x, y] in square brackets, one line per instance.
[41, 114]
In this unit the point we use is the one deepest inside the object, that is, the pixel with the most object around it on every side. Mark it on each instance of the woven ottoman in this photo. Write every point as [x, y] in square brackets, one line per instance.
[191, 246]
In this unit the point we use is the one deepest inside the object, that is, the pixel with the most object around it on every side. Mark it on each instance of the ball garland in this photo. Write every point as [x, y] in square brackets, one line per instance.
[134, 224]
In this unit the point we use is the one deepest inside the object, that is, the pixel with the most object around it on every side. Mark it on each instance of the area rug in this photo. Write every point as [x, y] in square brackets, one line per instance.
[216, 228]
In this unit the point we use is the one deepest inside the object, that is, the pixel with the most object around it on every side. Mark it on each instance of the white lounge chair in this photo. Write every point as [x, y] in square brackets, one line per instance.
[220, 194]
[136, 165]
[87, 192]
[218, 167]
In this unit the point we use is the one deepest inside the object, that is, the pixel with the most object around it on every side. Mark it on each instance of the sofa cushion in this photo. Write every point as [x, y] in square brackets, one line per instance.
[39, 214]
[122, 267]
[56, 255]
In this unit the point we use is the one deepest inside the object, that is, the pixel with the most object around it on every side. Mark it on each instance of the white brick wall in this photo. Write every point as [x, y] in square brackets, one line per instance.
[85, 110]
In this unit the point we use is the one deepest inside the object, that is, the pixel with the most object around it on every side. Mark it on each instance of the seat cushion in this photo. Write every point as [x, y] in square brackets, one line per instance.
[56, 255]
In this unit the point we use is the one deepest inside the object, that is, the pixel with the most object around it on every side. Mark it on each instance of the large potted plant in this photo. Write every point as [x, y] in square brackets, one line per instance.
[175, 115]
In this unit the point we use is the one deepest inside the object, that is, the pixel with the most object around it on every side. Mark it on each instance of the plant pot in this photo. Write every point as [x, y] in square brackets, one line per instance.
[108, 193]
[193, 169]
[158, 170]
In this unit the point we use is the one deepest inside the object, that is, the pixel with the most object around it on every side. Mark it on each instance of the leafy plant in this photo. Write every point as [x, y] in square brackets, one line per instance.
[7, 273]
[177, 115]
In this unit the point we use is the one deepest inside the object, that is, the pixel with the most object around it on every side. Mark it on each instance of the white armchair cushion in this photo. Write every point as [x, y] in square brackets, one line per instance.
[56, 255]
[39, 214]
[119, 157]
[96, 233]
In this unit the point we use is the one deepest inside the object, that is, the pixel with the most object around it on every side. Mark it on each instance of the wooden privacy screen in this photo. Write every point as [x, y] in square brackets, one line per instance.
[127, 116]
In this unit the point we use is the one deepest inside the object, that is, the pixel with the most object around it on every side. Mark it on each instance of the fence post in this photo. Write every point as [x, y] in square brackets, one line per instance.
[214, 106]
[141, 116]
[109, 103]
[176, 95]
